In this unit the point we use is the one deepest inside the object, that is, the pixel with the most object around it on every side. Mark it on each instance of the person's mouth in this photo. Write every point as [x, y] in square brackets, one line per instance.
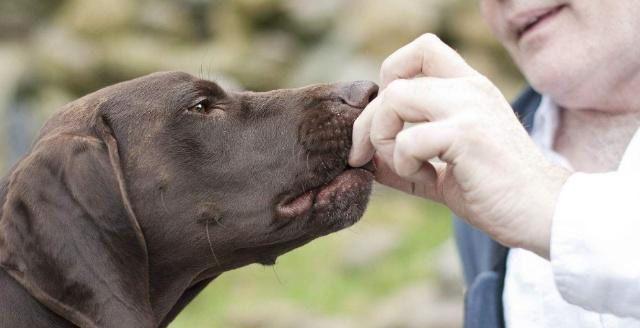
[525, 22]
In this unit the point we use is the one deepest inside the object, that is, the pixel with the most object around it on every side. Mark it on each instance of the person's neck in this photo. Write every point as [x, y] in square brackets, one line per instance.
[597, 123]
[618, 96]
[595, 140]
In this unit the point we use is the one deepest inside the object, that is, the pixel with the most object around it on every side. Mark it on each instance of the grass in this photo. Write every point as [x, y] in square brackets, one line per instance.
[316, 278]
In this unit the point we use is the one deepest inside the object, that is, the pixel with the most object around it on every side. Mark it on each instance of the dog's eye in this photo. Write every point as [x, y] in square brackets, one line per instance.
[203, 107]
[199, 108]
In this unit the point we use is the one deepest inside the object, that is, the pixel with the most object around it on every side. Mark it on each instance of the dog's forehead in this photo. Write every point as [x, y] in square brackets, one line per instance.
[121, 98]
[152, 84]
[163, 87]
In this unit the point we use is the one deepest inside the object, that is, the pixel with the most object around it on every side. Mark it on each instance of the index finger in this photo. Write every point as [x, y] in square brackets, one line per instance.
[426, 55]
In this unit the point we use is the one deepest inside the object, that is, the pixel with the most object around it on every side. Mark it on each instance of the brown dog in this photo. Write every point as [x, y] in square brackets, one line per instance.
[135, 197]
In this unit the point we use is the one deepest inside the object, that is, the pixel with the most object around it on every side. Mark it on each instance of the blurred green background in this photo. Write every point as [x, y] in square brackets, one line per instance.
[396, 268]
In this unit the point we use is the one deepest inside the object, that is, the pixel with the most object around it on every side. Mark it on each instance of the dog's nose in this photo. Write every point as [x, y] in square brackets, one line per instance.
[358, 94]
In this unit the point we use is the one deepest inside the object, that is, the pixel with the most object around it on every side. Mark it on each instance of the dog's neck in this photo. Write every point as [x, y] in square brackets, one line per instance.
[168, 302]
[173, 285]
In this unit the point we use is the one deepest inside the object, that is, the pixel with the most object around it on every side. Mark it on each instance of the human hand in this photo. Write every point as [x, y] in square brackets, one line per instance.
[489, 173]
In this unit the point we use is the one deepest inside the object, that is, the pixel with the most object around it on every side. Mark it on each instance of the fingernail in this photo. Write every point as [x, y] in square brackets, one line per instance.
[355, 159]
[353, 162]
[353, 152]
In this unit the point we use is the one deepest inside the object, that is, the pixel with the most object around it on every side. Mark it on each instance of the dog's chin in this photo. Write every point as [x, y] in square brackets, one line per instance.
[343, 201]
[336, 204]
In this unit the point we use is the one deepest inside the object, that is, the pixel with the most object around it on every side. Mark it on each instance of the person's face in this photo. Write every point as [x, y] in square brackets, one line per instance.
[572, 50]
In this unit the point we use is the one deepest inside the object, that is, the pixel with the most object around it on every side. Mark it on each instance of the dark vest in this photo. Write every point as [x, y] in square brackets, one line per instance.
[483, 259]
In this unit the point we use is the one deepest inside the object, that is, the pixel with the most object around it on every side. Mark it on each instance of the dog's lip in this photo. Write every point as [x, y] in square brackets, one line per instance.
[300, 203]
[369, 166]
[296, 205]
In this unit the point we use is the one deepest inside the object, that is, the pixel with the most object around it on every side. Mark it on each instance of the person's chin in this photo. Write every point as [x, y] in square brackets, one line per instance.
[563, 84]
[553, 63]
[545, 79]
[556, 72]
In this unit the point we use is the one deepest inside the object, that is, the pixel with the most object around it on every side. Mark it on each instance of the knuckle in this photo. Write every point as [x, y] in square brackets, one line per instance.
[389, 72]
[405, 149]
[481, 84]
[428, 39]
[402, 171]
[377, 139]
[466, 124]
[386, 66]
[469, 129]
[395, 90]
[403, 141]
[399, 163]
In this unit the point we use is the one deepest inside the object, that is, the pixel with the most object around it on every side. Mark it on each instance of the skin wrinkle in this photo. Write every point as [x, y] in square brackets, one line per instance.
[595, 141]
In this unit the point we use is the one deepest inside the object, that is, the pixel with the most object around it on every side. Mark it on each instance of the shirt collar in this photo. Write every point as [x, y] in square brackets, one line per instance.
[545, 127]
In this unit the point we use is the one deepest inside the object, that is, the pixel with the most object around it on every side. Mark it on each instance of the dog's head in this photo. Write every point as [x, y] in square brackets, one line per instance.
[136, 196]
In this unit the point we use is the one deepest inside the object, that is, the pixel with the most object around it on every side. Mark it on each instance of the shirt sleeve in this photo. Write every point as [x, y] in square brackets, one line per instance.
[595, 242]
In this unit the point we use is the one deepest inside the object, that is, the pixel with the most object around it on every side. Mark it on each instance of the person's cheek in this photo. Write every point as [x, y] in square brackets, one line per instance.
[493, 15]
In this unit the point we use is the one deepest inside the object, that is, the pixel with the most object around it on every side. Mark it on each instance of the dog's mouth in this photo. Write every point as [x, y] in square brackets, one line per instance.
[341, 187]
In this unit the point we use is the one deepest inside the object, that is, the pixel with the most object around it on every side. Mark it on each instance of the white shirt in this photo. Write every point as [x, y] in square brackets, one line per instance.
[593, 278]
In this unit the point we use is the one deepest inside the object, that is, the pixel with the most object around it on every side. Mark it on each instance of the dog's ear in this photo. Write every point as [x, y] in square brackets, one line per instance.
[69, 235]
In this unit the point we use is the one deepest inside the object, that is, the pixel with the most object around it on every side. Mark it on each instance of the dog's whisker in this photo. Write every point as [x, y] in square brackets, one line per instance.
[273, 267]
[210, 243]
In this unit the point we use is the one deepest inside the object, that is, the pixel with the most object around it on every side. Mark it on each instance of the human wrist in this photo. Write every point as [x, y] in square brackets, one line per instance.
[538, 214]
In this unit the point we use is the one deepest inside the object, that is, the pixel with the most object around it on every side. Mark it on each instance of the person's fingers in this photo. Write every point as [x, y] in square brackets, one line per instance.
[379, 122]
[405, 97]
[415, 101]
[386, 176]
[361, 148]
[427, 55]
[419, 144]
[422, 184]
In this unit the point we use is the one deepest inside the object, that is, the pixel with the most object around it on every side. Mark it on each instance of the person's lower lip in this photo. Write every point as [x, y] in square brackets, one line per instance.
[543, 21]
